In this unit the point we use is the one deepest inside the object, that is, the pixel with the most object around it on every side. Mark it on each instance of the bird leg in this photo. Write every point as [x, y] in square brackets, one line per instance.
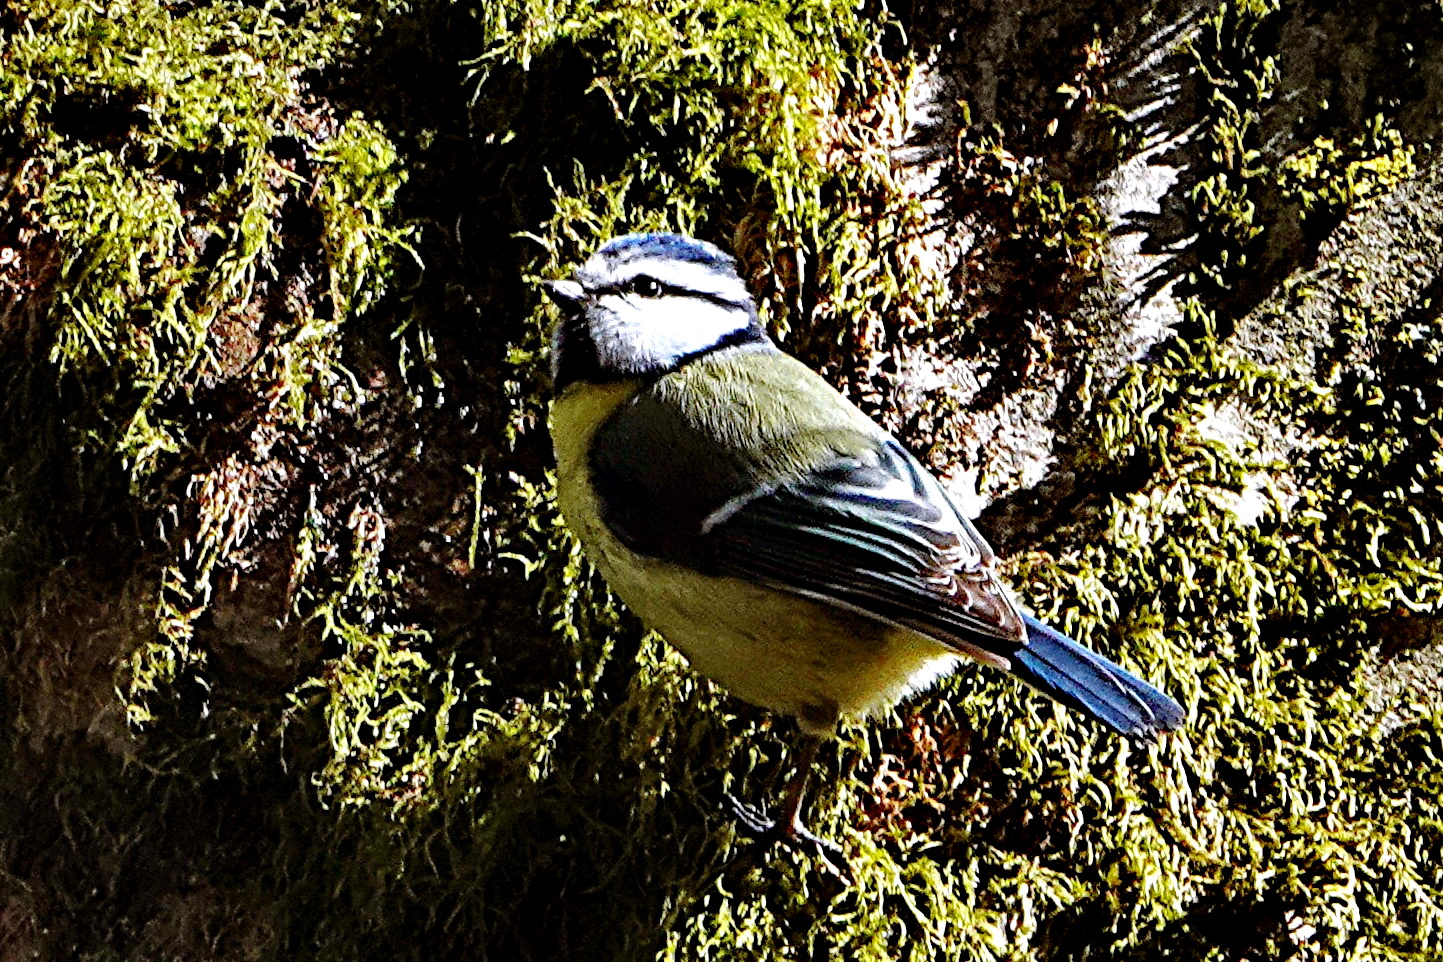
[788, 829]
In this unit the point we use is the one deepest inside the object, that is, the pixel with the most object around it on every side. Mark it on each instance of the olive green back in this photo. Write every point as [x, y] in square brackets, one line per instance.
[727, 426]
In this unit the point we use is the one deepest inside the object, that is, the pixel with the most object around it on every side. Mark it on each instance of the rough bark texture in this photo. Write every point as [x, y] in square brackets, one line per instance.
[296, 660]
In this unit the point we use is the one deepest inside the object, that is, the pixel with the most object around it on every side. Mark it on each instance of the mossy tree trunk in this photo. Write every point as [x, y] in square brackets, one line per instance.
[297, 661]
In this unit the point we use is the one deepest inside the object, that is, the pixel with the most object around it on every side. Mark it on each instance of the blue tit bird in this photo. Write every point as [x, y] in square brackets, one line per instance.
[786, 544]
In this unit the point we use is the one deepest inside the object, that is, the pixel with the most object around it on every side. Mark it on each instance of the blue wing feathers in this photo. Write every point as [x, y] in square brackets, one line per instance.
[1056, 665]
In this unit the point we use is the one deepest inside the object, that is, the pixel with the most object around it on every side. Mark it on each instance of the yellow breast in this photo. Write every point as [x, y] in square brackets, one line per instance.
[575, 416]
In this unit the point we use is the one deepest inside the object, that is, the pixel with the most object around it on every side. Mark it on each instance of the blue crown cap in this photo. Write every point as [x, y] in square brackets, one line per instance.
[629, 247]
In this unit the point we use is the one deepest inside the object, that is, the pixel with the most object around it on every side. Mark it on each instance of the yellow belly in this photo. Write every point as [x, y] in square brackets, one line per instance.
[778, 650]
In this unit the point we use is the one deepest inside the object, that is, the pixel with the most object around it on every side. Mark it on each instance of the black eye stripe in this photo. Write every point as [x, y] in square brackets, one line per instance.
[660, 288]
[646, 286]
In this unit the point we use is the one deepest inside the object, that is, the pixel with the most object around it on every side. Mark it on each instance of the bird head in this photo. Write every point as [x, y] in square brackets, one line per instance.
[643, 305]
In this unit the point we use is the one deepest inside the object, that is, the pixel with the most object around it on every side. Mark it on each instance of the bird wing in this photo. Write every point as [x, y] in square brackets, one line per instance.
[875, 533]
[878, 535]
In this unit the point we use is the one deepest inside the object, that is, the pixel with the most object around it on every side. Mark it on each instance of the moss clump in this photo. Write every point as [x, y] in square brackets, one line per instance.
[1328, 180]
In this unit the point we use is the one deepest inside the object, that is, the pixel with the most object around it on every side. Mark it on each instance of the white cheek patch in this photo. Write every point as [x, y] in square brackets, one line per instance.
[634, 334]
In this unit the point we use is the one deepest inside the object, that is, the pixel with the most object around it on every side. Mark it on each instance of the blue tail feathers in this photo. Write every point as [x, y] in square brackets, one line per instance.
[1056, 665]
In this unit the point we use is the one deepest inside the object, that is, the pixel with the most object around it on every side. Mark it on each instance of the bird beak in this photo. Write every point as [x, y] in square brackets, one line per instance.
[568, 294]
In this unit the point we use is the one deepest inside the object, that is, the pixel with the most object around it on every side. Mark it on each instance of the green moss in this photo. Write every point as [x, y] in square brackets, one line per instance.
[1265, 626]
[1327, 180]
[1239, 76]
[164, 181]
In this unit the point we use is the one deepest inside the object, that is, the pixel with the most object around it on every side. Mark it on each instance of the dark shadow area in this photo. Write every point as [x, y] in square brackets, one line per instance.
[485, 159]
[166, 846]
[1235, 927]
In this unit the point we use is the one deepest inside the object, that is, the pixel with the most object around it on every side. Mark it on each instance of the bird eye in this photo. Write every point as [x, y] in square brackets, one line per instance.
[645, 286]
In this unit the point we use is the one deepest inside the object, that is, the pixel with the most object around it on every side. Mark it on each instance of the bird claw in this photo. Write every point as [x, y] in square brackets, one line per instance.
[766, 832]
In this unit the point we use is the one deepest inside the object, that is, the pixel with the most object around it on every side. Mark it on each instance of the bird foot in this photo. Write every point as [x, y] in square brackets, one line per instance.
[766, 832]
